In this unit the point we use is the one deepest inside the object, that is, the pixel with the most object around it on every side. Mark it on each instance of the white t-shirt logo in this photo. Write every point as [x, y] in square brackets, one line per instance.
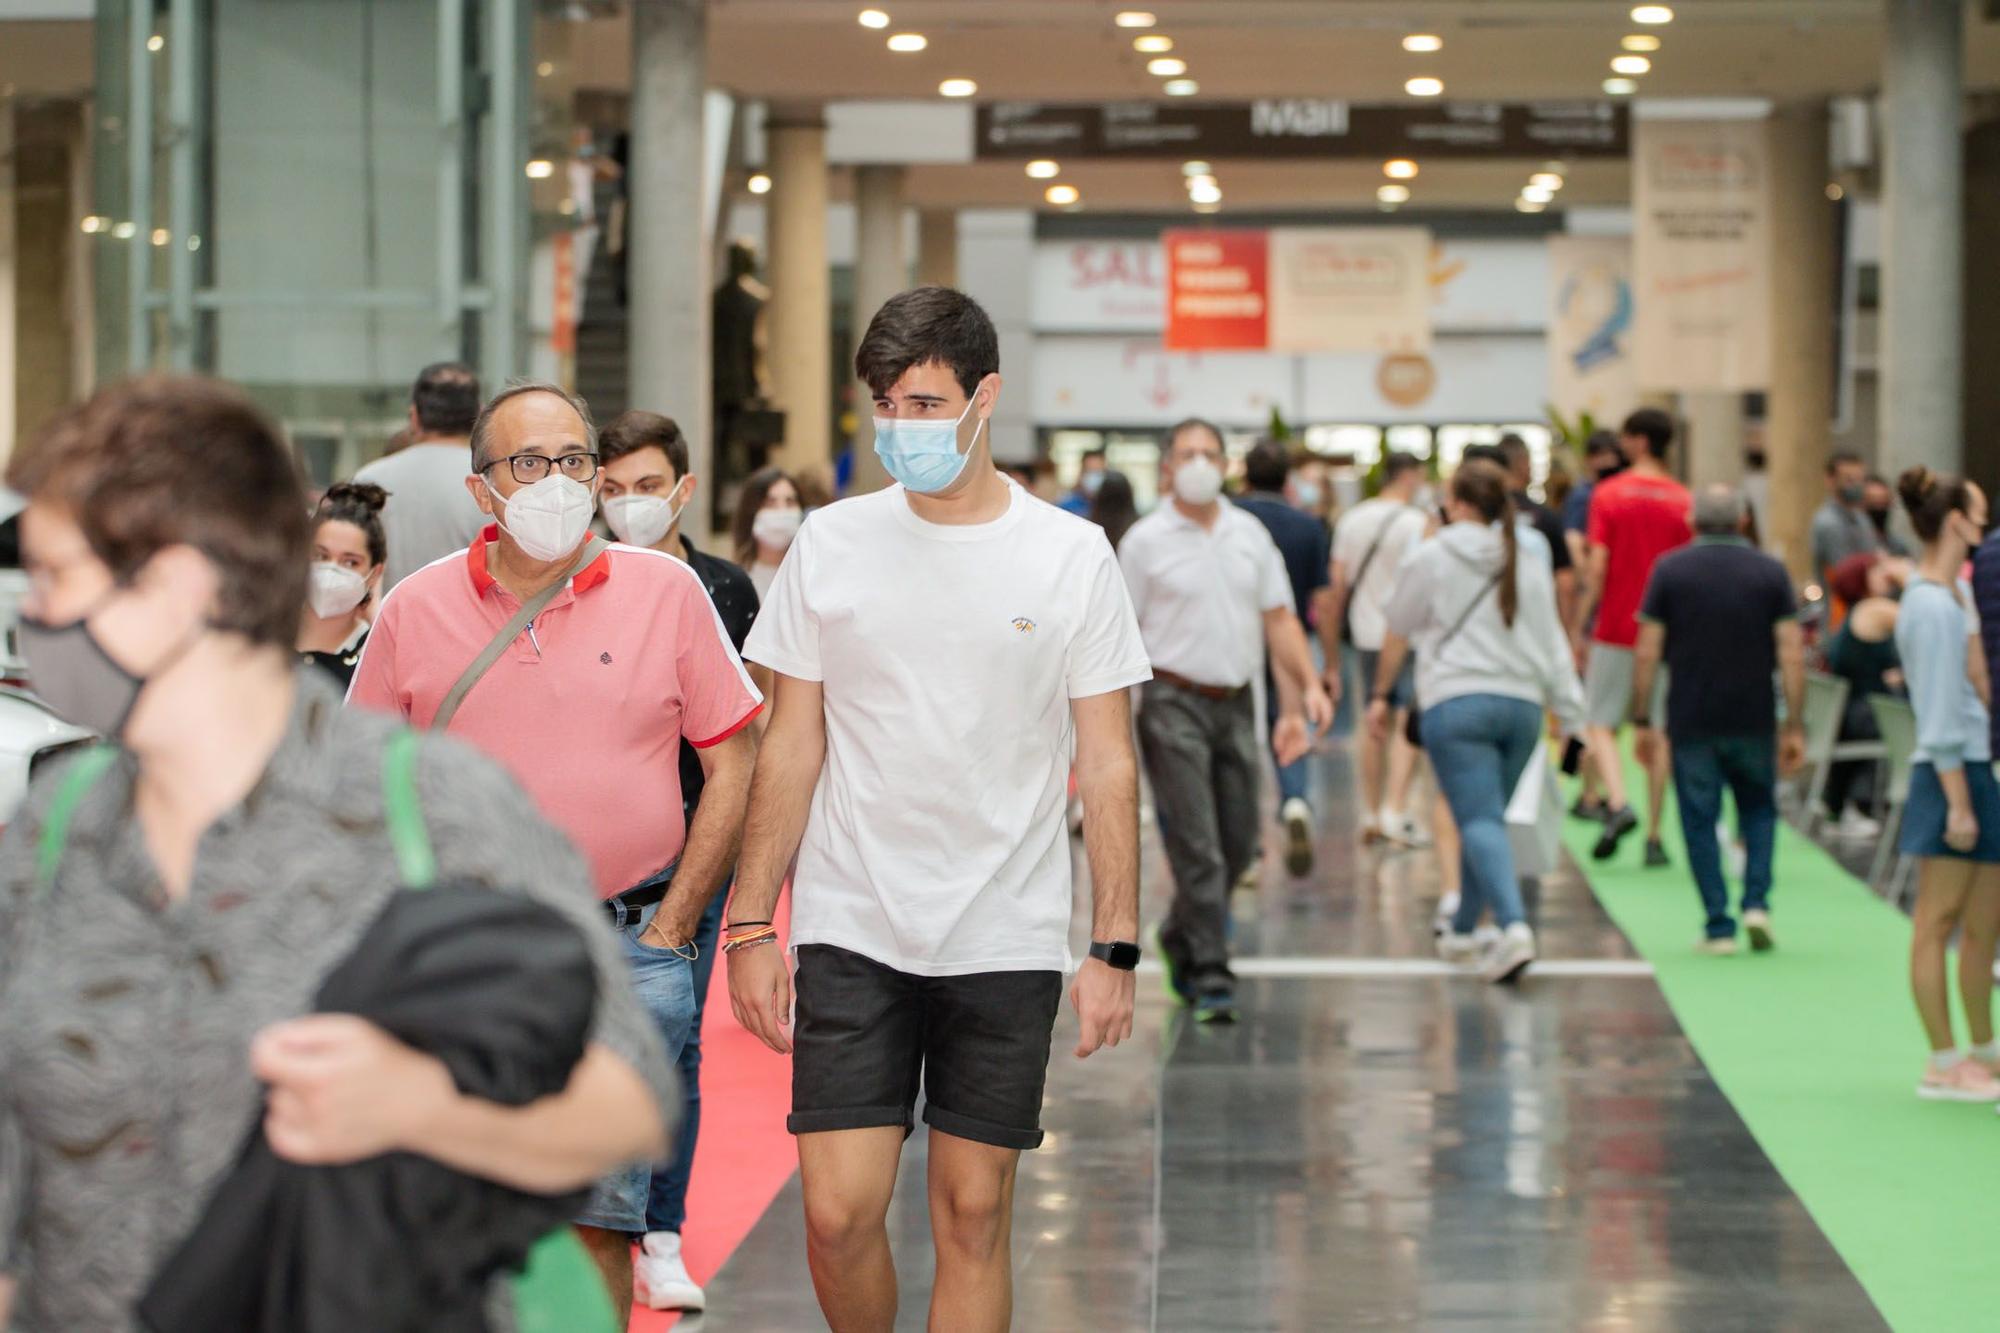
[1024, 625]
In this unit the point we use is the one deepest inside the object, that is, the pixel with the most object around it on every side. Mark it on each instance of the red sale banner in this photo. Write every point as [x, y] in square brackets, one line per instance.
[1218, 289]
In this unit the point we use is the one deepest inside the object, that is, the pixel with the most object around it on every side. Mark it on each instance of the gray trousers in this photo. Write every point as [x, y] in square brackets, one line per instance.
[1202, 758]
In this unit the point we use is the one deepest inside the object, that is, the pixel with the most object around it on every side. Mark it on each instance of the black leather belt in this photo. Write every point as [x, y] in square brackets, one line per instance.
[624, 909]
[1216, 693]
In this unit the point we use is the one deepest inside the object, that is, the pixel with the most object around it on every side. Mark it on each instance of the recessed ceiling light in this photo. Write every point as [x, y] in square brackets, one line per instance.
[760, 184]
[958, 88]
[1537, 194]
[1641, 41]
[546, 68]
[1181, 88]
[94, 224]
[161, 236]
[1167, 67]
[540, 169]
[1196, 169]
[1043, 168]
[1833, 192]
[1214, 206]
[156, 43]
[1201, 182]
[1424, 87]
[1134, 18]
[1206, 194]
[125, 231]
[1393, 194]
[908, 41]
[1400, 168]
[873, 18]
[1620, 87]
[1652, 14]
[1060, 195]
[1631, 64]
[1423, 42]
[1153, 44]
[1528, 206]
[1547, 180]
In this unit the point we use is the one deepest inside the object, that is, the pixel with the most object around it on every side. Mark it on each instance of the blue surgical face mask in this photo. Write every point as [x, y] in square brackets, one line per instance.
[1306, 493]
[924, 455]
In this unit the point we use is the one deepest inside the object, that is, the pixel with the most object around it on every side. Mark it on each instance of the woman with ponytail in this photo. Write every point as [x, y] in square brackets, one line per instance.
[1491, 655]
[348, 548]
[1951, 820]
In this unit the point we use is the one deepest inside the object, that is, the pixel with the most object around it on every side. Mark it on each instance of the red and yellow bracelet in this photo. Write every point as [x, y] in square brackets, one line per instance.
[750, 938]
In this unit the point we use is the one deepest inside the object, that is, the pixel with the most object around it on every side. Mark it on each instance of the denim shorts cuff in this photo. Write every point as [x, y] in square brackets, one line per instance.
[853, 1117]
[619, 1221]
[981, 1131]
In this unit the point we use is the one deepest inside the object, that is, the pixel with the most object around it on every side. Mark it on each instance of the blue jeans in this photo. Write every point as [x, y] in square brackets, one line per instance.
[1748, 765]
[1479, 744]
[666, 1203]
[1292, 776]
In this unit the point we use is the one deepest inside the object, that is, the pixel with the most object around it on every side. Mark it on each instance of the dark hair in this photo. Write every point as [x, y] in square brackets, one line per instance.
[483, 425]
[1654, 426]
[1115, 508]
[1930, 497]
[1397, 463]
[748, 501]
[1175, 431]
[928, 326]
[1267, 465]
[1486, 487]
[629, 432]
[1602, 442]
[163, 461]
[446, 397]
[1842, 459]
[1515, 450]
[1097, 453]
[359, 503]
[1484, 453]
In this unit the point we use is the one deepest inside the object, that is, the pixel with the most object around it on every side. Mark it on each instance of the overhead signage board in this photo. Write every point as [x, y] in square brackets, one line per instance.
[1299, 289]
[1303, 128]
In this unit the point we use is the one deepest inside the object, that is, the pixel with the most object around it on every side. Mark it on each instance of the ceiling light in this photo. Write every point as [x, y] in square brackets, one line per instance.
[759, 184]
[1197, 169]
[1400, 168]
[1631, 64]
[1201, 182]
[1393, 194]
[1134, 18]
[540, 169]
[156, 43]
[1423, 42]
[1537, 194]
[546, 68]
[94, 224]
[194, 243]
[1212, 207]
[1652, 15]
[1528, 206]
[1181, 88]
[873, 18]
[125, 231]
[1424, 87]
[161, 236]
[1153, 44]
[1833, 193]
[908, 41]
[1206, 194]
[958, 88]
[1167, 67]
[1641, 41]
[1042, 169]
[1062, 195]
[1620, 87]
[1547, 180]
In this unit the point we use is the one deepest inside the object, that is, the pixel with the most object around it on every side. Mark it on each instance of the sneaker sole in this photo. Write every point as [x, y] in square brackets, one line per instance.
[1298, 848]
[1930, 1094]
[1215, 1015]
[1513, 974]
[1760, 939]
[1168, 973]
[1614, 836]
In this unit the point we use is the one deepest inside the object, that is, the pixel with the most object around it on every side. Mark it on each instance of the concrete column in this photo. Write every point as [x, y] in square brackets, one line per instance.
[1799, 413]
[997, 257]
[1714, 445]
[9, 367]
[800, 315]
[881, 270]
[1923, 255]
[937, 248]
[669, 231]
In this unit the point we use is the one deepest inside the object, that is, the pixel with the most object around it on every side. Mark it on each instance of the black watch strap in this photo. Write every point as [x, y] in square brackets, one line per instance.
[1118, 954]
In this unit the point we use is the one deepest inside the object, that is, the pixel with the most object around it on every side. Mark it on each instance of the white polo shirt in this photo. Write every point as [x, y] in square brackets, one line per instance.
[1391, 529]
[1201, 593]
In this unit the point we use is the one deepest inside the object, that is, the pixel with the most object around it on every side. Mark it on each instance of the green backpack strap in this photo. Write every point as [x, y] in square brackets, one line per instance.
[76, 784]
[404, 813]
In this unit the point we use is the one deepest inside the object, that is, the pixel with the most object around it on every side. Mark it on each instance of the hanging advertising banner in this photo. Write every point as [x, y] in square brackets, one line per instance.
[1299, 289]
[1591, 311]
[1701, 255]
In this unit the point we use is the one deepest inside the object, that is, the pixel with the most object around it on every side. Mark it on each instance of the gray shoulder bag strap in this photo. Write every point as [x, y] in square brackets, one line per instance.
[510, 632]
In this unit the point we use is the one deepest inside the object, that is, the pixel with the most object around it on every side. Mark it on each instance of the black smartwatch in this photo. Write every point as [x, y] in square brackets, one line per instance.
[1124, 957]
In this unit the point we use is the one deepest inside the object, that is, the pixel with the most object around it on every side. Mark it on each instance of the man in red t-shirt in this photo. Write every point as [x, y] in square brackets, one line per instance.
[1635, 518]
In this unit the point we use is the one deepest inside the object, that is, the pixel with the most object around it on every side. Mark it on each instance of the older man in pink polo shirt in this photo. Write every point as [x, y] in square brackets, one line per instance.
[586, 705]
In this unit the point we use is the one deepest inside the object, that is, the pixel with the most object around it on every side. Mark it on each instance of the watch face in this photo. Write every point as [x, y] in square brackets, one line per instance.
[1124, 957]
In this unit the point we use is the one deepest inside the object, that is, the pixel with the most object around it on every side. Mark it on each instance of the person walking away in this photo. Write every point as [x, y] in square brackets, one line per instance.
[1090, 472]
[1520, 466]
[1603, 459]
[768, 514]
[938, 646]
[604, 659]
[1369, 544]
[647, 488]
[348, 549]
[1721, 615]
[1211, 595]
[1303, 542]
[1491, 656]
[218, 864]
[1840, 526]
[1951, 822]
[1635, 518]
[429, 514]
[1115, 509]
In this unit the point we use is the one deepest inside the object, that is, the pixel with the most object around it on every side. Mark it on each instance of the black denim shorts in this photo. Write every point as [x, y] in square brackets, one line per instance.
[866, 1037]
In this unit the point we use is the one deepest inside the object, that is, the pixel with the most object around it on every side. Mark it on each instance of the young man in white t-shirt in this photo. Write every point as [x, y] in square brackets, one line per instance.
[940, 648]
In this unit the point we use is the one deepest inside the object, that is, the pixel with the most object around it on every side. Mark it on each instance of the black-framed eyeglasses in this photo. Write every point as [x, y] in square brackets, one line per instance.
[531, 468]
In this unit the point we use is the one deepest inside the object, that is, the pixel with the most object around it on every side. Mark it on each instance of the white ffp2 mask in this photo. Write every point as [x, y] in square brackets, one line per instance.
[332, 590]
[548, 519]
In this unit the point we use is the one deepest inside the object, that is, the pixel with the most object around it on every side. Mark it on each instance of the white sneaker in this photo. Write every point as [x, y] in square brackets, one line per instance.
[1447, 909]
[1857, 827]
[1757, 924]
[1458, 950]
[1487, 934]
[1297, 817]
[1403, 830]
[1511, 956]
[1717, 947]
[660, 1278]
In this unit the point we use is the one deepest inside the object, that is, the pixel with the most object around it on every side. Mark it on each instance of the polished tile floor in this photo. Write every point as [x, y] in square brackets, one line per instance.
[1379, 1151]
